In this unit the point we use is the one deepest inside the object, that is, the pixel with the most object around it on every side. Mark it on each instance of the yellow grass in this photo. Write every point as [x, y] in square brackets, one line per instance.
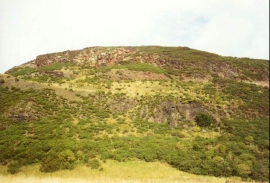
[130, 172]
[24, 85]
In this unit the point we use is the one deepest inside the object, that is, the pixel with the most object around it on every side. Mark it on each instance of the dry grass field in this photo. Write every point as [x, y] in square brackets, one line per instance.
[113, 172]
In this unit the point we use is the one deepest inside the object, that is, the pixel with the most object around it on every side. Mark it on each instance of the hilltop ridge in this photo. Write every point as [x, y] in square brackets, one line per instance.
[180, 61]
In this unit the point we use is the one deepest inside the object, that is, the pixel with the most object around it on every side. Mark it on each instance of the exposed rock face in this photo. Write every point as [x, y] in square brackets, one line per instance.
[173, 113]
[189, 110]
[90, 56]
[43, 60]
[123, 74]
[56, 74]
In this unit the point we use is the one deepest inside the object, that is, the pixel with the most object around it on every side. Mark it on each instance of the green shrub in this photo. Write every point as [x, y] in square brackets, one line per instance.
[14, 168]
[243, 170]
[94, 164]
[204, 119]
[67, 165]
[50, 164]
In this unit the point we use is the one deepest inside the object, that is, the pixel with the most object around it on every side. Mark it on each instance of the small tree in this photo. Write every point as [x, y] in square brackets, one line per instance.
[204, 119]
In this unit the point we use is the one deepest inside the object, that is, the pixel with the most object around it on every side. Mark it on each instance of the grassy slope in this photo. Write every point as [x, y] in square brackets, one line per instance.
[239, 144]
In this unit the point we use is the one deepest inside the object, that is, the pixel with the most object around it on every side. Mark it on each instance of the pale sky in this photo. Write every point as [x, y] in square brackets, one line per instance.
[226, 27]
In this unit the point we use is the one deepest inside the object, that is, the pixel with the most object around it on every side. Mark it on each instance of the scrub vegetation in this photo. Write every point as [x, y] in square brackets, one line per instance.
[155, 104]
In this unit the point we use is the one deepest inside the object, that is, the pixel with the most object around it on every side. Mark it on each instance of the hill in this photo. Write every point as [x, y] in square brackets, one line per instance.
[199, 112]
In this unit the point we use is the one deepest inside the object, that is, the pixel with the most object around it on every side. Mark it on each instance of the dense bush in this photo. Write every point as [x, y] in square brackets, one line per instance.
[14, 167]
[94, 164]
[50, 164]
[204, 119]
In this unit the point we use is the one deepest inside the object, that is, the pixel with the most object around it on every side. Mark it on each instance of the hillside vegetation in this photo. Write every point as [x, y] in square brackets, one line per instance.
[196, 111]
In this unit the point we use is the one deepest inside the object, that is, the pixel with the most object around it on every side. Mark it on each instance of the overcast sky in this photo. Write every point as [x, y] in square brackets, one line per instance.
[227, 27]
